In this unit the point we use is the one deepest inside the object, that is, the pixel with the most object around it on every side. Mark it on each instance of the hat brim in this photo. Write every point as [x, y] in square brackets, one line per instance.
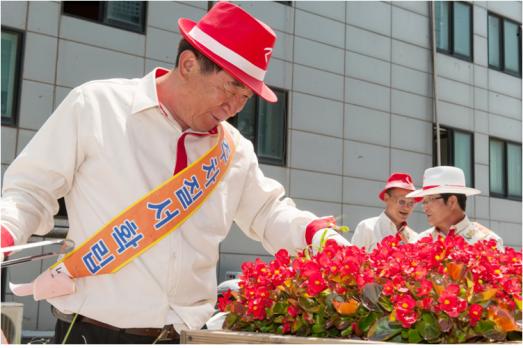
[467, 191]
[396, 184]
[257, 86]
[382, 194]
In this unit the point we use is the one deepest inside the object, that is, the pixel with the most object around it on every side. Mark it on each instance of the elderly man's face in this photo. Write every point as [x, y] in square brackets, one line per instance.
[398, 207]
[214, 97]
[436, 210]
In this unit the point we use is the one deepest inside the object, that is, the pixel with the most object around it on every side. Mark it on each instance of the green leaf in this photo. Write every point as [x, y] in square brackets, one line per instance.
[383, 330]
[370, 296]
[488, 329]
[414, 336]
[343, 324]
[484, 325]
[346, 332]
[365, 323]
[280, 308]
[309, 305]
[317, 328]
[445, 324]
[230, 320]
[278, 319]
[322, 240]
[428, 327]
[385, 303]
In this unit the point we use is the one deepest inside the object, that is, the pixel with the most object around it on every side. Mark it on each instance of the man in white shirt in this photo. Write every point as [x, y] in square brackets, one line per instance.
[111, 142]
[444, 195]
[393, 219]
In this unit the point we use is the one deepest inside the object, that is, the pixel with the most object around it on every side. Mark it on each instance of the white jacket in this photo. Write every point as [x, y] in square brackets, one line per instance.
[371, 231]
[106, 146]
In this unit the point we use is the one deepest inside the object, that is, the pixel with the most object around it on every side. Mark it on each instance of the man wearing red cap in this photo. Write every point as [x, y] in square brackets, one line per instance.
[111, 142]
[444, 196]
[393, 219]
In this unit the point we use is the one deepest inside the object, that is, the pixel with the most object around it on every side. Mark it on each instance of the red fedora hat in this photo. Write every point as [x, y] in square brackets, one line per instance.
[398, 180]
[239, 43]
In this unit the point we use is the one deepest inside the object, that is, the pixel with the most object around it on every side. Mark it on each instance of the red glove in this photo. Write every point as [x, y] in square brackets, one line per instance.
[6, 239]
[316, 225]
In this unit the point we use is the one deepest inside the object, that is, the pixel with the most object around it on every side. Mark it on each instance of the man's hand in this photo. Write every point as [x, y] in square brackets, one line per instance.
[321, 236]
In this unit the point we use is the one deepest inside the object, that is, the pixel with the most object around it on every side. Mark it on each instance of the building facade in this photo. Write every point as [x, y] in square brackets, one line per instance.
[357, 100]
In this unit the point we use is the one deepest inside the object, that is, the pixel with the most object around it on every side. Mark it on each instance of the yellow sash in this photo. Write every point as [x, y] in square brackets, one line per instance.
[151, 218]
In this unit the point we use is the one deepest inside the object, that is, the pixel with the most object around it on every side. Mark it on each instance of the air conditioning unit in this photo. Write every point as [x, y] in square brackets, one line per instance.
[12, 316]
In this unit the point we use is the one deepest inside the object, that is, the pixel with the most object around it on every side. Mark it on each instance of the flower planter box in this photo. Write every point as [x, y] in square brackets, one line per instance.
[234, 337]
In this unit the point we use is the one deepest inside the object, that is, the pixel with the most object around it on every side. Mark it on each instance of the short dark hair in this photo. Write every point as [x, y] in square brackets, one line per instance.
[207, 65]
[462, 199]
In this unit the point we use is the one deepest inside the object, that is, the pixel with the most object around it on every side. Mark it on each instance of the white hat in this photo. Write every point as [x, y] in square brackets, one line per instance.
[443, 180]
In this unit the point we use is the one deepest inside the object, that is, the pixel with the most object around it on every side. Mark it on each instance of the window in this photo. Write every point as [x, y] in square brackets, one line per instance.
[265, 124]
[504, 45]
[505, 169]
[456, 150]
[454, 28]
[128, 15]
[12, 43]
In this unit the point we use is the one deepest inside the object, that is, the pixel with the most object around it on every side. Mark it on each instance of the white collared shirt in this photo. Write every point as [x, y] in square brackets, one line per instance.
[371, 231]
[472, 232]
[103, 148]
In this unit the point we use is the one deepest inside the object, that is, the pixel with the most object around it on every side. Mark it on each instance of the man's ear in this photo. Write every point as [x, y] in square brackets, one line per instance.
[188, 64]
[453, 201]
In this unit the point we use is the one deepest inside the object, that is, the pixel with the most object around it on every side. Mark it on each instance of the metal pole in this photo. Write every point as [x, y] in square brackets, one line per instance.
[435, 82]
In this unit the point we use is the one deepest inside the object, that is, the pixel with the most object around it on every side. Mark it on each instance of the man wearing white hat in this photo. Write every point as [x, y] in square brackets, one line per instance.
[393, 219]
[150, 163]
[444, 197]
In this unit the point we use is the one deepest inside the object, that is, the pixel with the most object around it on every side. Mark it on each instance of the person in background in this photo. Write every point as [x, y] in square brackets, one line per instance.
[113, 141]
[444, 195]
[393, 219]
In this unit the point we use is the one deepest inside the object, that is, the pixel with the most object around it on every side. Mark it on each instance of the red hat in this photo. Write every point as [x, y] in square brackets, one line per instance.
[398, 180]
[239, 43]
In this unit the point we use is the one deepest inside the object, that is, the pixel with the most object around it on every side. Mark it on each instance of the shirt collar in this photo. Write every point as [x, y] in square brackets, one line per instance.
[459, 228]
[462, 225]
[384, 217]
[145, 94]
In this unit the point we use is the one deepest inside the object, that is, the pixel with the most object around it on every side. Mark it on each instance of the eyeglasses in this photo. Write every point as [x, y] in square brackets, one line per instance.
[430, 200]
[409, 203]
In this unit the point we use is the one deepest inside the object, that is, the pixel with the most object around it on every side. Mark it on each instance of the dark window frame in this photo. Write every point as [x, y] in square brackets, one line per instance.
[501, 38]
[112, 24]
[451, 52]
[450, 149]
[266, 160]
[17, 94]
[505, 194]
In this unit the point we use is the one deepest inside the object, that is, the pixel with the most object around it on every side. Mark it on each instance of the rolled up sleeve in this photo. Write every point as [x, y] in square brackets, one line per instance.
[43, 173]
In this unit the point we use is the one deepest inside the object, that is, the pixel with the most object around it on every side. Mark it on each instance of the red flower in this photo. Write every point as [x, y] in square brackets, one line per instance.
[407, 318]
[283, 257]
[286, 328]
[293, 311]
[388, 288]
[475, 312]
[224, 300]
[316, 284]
[451, 304]
[405, 303]
[424, 288]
